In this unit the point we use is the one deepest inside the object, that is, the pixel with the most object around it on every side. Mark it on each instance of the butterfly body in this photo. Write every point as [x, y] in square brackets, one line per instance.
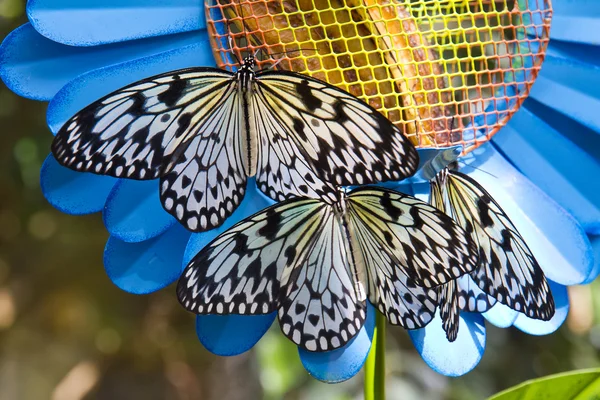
[204, 131]
[316, 263]
[245, 76]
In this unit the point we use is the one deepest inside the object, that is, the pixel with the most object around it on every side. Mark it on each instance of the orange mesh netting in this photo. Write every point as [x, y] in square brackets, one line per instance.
[447, 72]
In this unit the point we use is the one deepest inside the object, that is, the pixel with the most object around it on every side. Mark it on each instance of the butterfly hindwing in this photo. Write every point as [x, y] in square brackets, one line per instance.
[470, 296]
[427, 243]
[320, 309]
[205, 179]
[341, 138]
[508, 271]
[449, 309]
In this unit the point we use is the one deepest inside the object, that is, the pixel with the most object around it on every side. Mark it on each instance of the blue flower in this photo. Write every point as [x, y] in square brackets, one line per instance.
[542, 168]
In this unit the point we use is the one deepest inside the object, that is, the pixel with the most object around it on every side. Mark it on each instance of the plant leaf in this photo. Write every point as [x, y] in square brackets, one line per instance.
[574, 385]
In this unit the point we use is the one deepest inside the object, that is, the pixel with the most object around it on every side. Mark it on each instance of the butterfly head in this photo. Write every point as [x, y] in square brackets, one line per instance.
[245, 74]
[442, 176]
[248, 63]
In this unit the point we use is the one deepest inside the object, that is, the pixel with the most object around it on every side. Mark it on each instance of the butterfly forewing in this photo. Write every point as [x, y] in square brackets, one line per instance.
[282, 172]
[508, 270]
[460, 294]
[130, 132]
[343, 140]
[431, 247]
[241, 271]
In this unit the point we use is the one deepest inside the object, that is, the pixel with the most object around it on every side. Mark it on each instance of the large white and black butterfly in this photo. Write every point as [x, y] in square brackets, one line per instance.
[316, 263]
[204, 131]
[507, 270]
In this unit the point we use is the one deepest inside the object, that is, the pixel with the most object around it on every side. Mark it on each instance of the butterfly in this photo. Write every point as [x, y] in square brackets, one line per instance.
[507, 271]
[316, 263]
[204, 131]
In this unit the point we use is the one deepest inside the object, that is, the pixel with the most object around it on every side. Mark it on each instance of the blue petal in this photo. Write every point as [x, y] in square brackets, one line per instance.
[134, 213]
[148, 266]
[230, 335]
[558, 166]
[93, 22]
[554, 237]
[35, 67]
[72, 192]
[576, 21]
[571, 87]
[595, 241]
[501, 315]
[91, 86]
[343, 363]
[537, 327]
[254, 201]
[451, 358]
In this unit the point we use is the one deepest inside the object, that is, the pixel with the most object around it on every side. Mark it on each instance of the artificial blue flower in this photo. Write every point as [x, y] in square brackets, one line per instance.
[541, 168]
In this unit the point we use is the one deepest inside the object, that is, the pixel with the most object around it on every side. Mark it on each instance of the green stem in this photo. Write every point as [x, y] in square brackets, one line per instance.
[375, 364]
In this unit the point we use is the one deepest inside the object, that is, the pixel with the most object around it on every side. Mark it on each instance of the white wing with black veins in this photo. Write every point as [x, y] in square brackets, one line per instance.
[508, 271]
[390, 289]
[132, 131]
[314, 128]
[289, 257]
[320, 309]
[183, 126]
[430, 247]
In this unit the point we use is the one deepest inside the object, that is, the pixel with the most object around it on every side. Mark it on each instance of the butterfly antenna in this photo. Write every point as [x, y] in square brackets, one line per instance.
[281, 59]
[244, 27]
[232, 51]
[293, 51]
[478, 169]
[451, 126]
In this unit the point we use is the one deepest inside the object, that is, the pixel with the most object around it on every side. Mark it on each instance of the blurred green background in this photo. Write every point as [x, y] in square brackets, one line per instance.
[67, 333]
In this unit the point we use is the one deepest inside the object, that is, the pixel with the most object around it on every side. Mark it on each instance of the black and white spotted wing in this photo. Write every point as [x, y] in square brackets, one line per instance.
[507, 269]
[282, 172]
[289, 257]
[461, 294]
[130, 132]
[204, 180]
[395, 295]
[203, 131]
[470, 297]
[449, 310]
[431, 247]
[316, 262]
[321, 305]
[341, 138]
[182, 126]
